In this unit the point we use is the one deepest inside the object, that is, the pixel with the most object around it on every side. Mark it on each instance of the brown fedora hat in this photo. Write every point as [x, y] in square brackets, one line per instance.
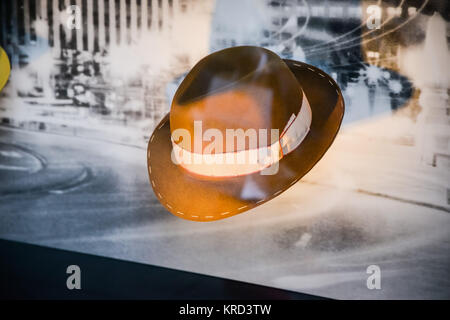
[242, 88]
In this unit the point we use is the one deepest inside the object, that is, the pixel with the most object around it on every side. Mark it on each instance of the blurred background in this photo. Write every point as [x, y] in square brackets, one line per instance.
[91, 79]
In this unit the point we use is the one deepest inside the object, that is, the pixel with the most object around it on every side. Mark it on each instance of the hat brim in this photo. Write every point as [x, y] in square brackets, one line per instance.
[200, 198]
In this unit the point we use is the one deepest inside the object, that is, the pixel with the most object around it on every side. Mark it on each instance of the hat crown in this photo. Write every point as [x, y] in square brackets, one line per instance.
[236, 88]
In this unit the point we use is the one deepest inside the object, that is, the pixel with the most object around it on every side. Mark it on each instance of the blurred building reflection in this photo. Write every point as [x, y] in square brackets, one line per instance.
[104, 23]
[84, 60]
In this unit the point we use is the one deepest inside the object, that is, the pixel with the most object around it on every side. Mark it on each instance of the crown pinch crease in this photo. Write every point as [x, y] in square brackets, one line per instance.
[255, 160]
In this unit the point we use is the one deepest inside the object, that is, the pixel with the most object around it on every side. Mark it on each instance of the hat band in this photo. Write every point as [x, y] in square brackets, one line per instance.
[244, 162]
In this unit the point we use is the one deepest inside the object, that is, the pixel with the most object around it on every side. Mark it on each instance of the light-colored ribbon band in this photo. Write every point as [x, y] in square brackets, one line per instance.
[245, 162]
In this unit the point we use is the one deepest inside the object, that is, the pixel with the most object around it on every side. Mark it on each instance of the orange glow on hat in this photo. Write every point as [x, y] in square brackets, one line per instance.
[244, 162]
